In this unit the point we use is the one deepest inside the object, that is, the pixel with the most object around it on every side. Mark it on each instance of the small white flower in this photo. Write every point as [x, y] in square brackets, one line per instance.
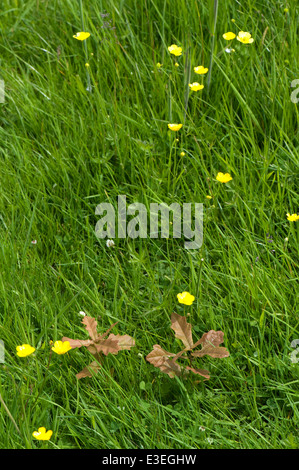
[201, 428]
[109, 243]
[210, 440]
[34, 242]
[82, 313]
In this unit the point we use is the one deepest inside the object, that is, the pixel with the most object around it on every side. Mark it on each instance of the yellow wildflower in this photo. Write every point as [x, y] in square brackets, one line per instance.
[200, 69]
[24, 350]
[159, 65]
[42, 435]
[293, 217]
[182, 154]
[245, 37]
[176, 64]
[81, 36]
[209, 197]
[195, 86]
[87, 64]
[229, 36]
[175, 50]
[185, 298]
[223, 178]
[174, 127]
[61, 347]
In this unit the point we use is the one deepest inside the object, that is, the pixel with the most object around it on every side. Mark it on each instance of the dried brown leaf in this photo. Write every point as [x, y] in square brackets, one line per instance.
[210, 345]
[213, 351]
[91, 326]
[124, 341]
[212, 337]
[160, 358]
[158, 354]
[182, 329]
[77, 343]
[170, 368]
[107, 346]
[203, 372]
[89, 371]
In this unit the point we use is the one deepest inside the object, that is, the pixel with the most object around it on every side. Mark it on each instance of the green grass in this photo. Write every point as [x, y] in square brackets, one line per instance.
[64, 151]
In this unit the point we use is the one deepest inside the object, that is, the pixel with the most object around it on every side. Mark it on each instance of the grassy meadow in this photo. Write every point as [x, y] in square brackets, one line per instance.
[73, 136]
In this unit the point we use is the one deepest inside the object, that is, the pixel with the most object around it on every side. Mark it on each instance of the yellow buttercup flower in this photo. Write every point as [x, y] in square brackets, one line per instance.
[42, 435]
[174, 127]
[229, 36]
[24, 350]
[200, 69]
[159, 65]
[209, 197]
[185, 298]
[81, 36]
[87, 64]
[182, 154]
[245, 37]
[61, 347]
[175, 50]
[223, 178]
[293, 217]
[176, 64]
[195, 86]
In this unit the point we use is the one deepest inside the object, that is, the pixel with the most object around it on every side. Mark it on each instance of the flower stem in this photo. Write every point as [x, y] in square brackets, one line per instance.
[85, 45]
[215, 13]
[9, 414]
[41, 388]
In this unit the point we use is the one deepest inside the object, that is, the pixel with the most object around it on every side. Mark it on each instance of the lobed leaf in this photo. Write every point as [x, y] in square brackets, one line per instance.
[210, 345]
[77, 343]
[107, 346]
[89, 371]
[182, 329]
[124, 341]
[203, 372]
[91, 326]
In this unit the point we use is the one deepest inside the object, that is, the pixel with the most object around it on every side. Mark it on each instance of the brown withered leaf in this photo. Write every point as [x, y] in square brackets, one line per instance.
[160, 358]
[107, 346]
[89, 371]
[182, 329]
[124, 341]
[157, 355]
[99, 344]
[210, 345]
[91, 326]
[170, 368]
[166, 361]
[213, 351]
[203, 372]
[213, 337]
[77, 343]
